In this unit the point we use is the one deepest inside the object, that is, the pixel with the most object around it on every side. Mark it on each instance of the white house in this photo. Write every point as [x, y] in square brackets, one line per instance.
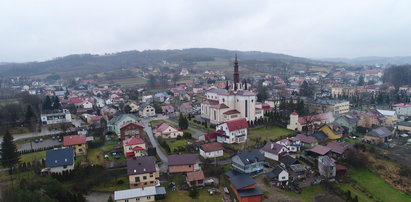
[146, 110]
[87, 104]
[274, 151]
[234, 131]
[211, 150]
[164, 130]
[56, 118]
[139, 194]
[403, 109]
[278, 176]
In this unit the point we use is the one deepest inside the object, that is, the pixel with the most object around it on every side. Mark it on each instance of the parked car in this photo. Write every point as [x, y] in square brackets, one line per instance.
[36, 141]
[41, 140]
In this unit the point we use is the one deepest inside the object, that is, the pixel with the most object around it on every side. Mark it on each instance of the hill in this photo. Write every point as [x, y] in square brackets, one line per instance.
[372, 60]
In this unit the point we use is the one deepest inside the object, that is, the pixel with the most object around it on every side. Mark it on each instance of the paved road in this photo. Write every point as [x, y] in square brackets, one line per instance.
[153, 140]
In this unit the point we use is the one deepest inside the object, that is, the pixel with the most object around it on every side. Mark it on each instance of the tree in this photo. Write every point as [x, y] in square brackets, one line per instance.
[360, 81]
[127, 109]
[176, 77]
[55, 103]
[182, 122]
[30, 117]
[157, 108]
[307, 89]
[47, 103]
[262, 93]
[9, 155]
[110, 199]
[152, 81]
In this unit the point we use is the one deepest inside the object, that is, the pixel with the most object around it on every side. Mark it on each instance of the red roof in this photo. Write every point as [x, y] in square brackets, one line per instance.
[304, 138]
[132, 123]
[233, 111]
[130, 154]
[95, 118]
[373, 71]
[136, 148]
[210, 136]
[195, 176]
[133, 141]
[210, 147]
[74, 139]
[220, 106]
[237, 124]
[294, 113]
[317, 117]
[76, 100]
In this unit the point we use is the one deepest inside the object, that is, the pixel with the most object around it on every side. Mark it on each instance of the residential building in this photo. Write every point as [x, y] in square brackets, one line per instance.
[349, 121]
[234, 131]
[319, 150]
[326, 105]
[373, 75]
[390, 117]
[142, 172]
[371, 118]
[333, 131]
[250, 162]
[168, 109]
[244, 187]
[145, 194]
[211, 150]
[308, 122]
[278, 176]
[378, 135]
[182, 163]
[131, 129]
[195, 178]
[146, 110]
[186, 108]
[134, 147]
[166, 131]
[115, 123]
[327, 167]
[274, 151]
[306, 140]
[402, 109]
[59, 160]
[78, 142]
[56, 118]
[404, 126]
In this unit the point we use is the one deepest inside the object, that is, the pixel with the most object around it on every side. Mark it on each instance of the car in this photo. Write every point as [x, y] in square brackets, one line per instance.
[36, 141]
[60, 140]
[41, 140]
[53, 138]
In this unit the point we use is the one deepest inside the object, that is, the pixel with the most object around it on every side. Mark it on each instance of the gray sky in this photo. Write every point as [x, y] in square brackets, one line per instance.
[44, 29]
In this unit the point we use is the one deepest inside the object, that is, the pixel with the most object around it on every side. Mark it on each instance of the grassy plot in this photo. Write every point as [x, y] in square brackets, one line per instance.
[115, 184]
[307, 193]
[268, 133]
[173, 144]
[96, 156]
[355, 192]
[29, 157]
[182, 196]
[378, 187]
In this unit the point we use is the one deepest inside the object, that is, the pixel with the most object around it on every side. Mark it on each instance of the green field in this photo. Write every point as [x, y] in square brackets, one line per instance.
[113, 185]
[307, 193]
[268, 133]
[29, 157]
[182, 196]
[378, 187]
[355, 192]
[173, 144]
[96, 156]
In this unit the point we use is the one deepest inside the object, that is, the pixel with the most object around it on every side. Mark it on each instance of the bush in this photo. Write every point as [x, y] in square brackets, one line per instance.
[194, 193]
[187, 135]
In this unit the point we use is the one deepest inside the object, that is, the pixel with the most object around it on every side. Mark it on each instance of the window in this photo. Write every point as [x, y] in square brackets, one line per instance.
[144, 177]
[246, 108]
[64, 166]
[151, 175]
[283, 177]
[137, 179]
[145, 183]
[125, 200]
[148, 197]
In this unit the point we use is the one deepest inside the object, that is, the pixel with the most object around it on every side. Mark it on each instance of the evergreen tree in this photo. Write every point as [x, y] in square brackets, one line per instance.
[47, 103]
[361, 81]
[30, 117]
[9, 155]
[56, 103]
[262, 93]
[127, 109]
[181, 121]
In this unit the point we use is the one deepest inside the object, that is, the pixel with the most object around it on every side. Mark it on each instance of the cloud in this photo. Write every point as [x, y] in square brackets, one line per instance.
[40, 30]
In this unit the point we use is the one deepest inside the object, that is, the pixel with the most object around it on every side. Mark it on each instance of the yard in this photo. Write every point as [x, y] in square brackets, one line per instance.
[307, 193]
[29, 157]
[174, 196]
[96, 156]
[355, 192]
[377, 186]
[115, 184]
[268, 133]
[174, 143]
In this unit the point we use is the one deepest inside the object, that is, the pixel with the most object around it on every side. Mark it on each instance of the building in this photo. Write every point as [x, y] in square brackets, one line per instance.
[349, 121]
[327, 167]
[211, 150]
[131, 129]
[195, 178]
[168, 109]
[234, 131]
[115, 123]
[402, 109]
[223, 105]
[134, 147]
[56, 118]
[333, 131]
[78, 142]
[390, 117]
[378, 135]
[186, 108]
[244, 187]
[274, 151]
[318, 150]
[373, 75]
[306, 140]
[308, 122]
[166, 131]
[250, 162]
[404, 126]
[142, 172]
[59, 160]
[278, 176]
[182, 163]
[326, 105]
[146, 110]
[145, 194]
[371, 118]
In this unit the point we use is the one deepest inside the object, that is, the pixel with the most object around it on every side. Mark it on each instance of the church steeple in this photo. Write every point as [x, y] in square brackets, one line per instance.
[236, 75]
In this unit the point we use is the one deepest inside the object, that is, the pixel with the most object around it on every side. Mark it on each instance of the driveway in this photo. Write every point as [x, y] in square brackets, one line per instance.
[153, 140]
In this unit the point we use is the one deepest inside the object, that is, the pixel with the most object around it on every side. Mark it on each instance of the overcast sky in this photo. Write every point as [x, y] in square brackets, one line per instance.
[44, 29]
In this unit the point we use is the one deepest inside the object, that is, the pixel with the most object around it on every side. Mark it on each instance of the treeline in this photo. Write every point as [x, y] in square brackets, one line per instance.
[398, 75]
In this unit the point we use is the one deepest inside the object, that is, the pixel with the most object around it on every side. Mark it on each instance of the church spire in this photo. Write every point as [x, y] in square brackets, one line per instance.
[236, 75]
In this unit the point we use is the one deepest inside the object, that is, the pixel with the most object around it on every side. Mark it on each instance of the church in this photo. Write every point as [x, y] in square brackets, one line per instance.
[234, 102]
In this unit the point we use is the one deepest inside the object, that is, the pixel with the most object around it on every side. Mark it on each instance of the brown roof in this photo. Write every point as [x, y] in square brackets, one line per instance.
[220, 106]
[215, 146]
[141, 165]
[194, 176]
[233, 111]
[319, 149]
[237, 124]
[184, 159]
[74, 139]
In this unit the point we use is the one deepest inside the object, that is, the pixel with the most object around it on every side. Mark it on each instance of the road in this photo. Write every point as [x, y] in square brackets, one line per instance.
[153, 140]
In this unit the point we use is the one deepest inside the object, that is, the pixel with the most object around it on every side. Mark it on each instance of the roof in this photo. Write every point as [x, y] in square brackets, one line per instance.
[214, 146]
[380, 132]
[304, 138]
[132, 123]
[133, 141]
[239, 180]
[183, 159]
[249, 157]
[275, 172]
[326, 160]
[138, 192]
[288, 160]
[319, 149]
[319, 135]
[74, 139]
[250, 192]
[272, 147]
[230, 112]
[402, 105]
[220, 106]
[140, 165]
[210, 136]
[405, 123]
[59, 157]
[294, 113]
[186, 105]
[339, 148]
[162, 126]
[194, 176]
[237, 124]
[123, 116]
[317, 117]
[387, 112]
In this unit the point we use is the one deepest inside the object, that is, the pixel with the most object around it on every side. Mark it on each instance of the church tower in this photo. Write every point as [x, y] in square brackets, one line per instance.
[236, 74]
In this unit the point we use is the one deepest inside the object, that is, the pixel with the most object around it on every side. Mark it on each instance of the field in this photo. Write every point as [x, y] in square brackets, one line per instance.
[355, 192]
[268, 133]
[29, 157]
[307, 193]
[96, 156]
[378, 187]
[113, 184]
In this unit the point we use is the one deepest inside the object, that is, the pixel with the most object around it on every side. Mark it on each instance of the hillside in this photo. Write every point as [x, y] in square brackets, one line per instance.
[372, 60]
[87, 63]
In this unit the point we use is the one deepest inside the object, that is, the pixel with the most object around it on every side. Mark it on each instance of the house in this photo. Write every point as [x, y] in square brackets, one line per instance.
[278, 176]
[134, 147]
[293, 166]
[115, 123]
[145, 194]
[244, 187]
[133, 107]
[402, 109]
[320, 136]
[96, 120]
[168, 109]
[182, 163]
[186, 108]
[306, 140]
[287, 161]
[59, 160]
[319, 150]
[166, 131]
[349, 121]
[131, 129]
[378, 135]
[338, 149]
[109, 111]
[274, 151]
[404, 126]
[308, 122]
[209, 137]
[327, 167]
[371, 119]
[142, 172]
[87, 104]
[327, 105]
[292, 145]
[56, 118]
[390, 117]
[161, 97]
[78, 142]
[146, 110]
[234, 131]
[333, 131]
[211, 150]
[250, 162]
[195, 178]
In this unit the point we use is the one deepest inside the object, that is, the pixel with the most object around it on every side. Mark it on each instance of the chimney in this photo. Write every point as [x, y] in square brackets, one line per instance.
[272, 145]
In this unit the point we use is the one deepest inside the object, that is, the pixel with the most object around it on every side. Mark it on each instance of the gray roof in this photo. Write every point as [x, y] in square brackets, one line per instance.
[59, 157]
[184, 159]
[381, 132]
[274, 173]
[288, 160]
[250, 192]
[240, 180]
[327, 101]
[249, 157]
[138, 192]
[141, 165]
[405, 123]
[121, 117]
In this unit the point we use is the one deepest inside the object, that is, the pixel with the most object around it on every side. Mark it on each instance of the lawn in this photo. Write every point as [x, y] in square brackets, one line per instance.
[96, 156]
[173, 144]
[355, 192]
[113, 185]
[268, 133]
[307, 193]
[29, 157]
[377, 186]
[174, 196]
